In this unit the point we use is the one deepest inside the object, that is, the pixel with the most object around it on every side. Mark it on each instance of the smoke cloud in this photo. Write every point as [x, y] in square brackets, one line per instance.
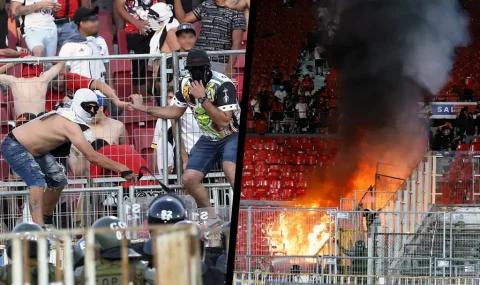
[389, 54]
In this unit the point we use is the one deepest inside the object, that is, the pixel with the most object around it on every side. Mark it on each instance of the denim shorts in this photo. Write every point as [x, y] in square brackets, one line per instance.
[34, 171]
[206, 153]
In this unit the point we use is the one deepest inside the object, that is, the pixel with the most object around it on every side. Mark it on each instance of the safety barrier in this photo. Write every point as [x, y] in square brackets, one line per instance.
[133, 130]
[256, 278]
[400, 243]
[177, 242]
[80, 207]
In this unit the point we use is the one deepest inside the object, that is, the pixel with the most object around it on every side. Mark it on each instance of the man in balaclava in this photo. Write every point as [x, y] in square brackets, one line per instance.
[27, 151]
[212, 97]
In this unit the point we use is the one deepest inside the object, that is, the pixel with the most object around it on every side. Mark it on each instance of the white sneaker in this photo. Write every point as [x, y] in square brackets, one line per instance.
[48, 228]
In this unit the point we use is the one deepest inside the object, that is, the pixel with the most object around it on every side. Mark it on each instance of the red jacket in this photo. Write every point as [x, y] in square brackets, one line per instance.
[123, 154]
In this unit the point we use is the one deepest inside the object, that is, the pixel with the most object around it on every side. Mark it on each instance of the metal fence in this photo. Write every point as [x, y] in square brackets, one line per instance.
[137, 131]
[374, 243]
[177, 242]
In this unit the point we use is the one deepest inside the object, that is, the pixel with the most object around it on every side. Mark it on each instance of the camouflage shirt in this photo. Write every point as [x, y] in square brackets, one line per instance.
[110, 273]
[6, 274]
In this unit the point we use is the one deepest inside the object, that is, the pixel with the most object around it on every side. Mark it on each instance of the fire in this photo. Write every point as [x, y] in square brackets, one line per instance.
[299, 232]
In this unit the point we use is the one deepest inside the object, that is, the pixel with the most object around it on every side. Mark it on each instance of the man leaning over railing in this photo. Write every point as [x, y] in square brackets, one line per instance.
[27, 151]
[212, 98]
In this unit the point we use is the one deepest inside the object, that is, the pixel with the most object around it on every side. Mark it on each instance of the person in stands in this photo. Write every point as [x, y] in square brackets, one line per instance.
[32, 161]
[281, 93]
[301, 114]
[276, 77]
[39, 29]
[277, 114]
[222, 29]
[85, 42]
[213, 99]
[102, 127]
[64, 18]
[255, 107]
[161, 20]
[139, 33]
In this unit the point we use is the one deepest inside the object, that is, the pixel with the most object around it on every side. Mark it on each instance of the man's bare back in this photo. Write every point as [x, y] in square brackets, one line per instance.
[111, 130]
[42, 136]
[29, 94]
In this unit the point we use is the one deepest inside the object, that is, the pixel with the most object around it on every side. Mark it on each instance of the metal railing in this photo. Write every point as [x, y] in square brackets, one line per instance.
[177, 242]
[269, 238]
[137, 129]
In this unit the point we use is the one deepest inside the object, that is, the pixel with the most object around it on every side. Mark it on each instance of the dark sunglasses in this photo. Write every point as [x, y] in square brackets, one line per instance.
[90, 106]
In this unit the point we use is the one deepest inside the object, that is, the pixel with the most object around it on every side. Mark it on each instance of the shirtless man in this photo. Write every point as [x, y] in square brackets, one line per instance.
[240, 5]
[102, 127]
[29, 91]
[27, 151]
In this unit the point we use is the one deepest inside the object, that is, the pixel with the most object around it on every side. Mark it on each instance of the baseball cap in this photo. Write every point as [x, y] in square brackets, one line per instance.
[83, 14]
[185, 27]
[197, 57]
[24, 118]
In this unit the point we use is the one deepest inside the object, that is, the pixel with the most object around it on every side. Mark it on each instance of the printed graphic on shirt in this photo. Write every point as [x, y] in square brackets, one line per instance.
[217, 26]
[139, 10]
[222, 93]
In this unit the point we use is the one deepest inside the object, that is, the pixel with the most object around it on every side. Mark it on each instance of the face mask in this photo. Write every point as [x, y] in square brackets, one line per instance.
[85, 105]
[200, 74]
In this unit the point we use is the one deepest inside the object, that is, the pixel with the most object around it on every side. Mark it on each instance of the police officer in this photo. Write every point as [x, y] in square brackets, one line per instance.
[109, 265]
[28, 231]
[164, 209]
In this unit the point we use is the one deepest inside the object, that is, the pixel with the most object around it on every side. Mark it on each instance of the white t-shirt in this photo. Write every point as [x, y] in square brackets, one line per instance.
[281, 95]
[302, 110]
[158, 144]
[256, 108]
[191, 132]
[155, 47]
[94, 46]
[317, 52]
[40, 19]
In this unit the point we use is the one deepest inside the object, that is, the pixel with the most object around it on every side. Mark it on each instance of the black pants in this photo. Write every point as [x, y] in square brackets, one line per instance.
[3, 28]
[139, 44]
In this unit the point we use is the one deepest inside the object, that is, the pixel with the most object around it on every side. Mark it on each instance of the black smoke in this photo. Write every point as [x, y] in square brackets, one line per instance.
[390, 53]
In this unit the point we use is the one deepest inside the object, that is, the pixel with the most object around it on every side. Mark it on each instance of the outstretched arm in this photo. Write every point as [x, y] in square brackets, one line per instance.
[76, 137]
[8, 79]
[48, 75]
[169, 112]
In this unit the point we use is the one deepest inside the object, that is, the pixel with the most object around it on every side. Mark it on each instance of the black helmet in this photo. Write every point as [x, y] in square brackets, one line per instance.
[27, 230]
[197, 58]
[166, 209]
[111, 242]
[185, 27]
[78, 253]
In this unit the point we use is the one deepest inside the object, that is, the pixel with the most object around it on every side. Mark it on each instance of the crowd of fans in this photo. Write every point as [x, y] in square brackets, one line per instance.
[450, 134]
[294, 105]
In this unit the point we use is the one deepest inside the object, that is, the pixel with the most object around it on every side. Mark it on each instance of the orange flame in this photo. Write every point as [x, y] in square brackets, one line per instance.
[299, 232]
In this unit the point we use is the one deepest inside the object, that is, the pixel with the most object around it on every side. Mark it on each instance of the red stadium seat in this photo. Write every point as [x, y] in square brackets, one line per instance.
[248, 192]
[273, 174]
[136, 120]
[300, 176]
[275, 167]
[273, 159]
[122, 42]
[261, 127]
[4, 170]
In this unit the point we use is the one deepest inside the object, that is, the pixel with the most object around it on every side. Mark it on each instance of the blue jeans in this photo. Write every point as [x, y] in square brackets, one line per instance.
[206, 153]
[34, 171]
[275, 88]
